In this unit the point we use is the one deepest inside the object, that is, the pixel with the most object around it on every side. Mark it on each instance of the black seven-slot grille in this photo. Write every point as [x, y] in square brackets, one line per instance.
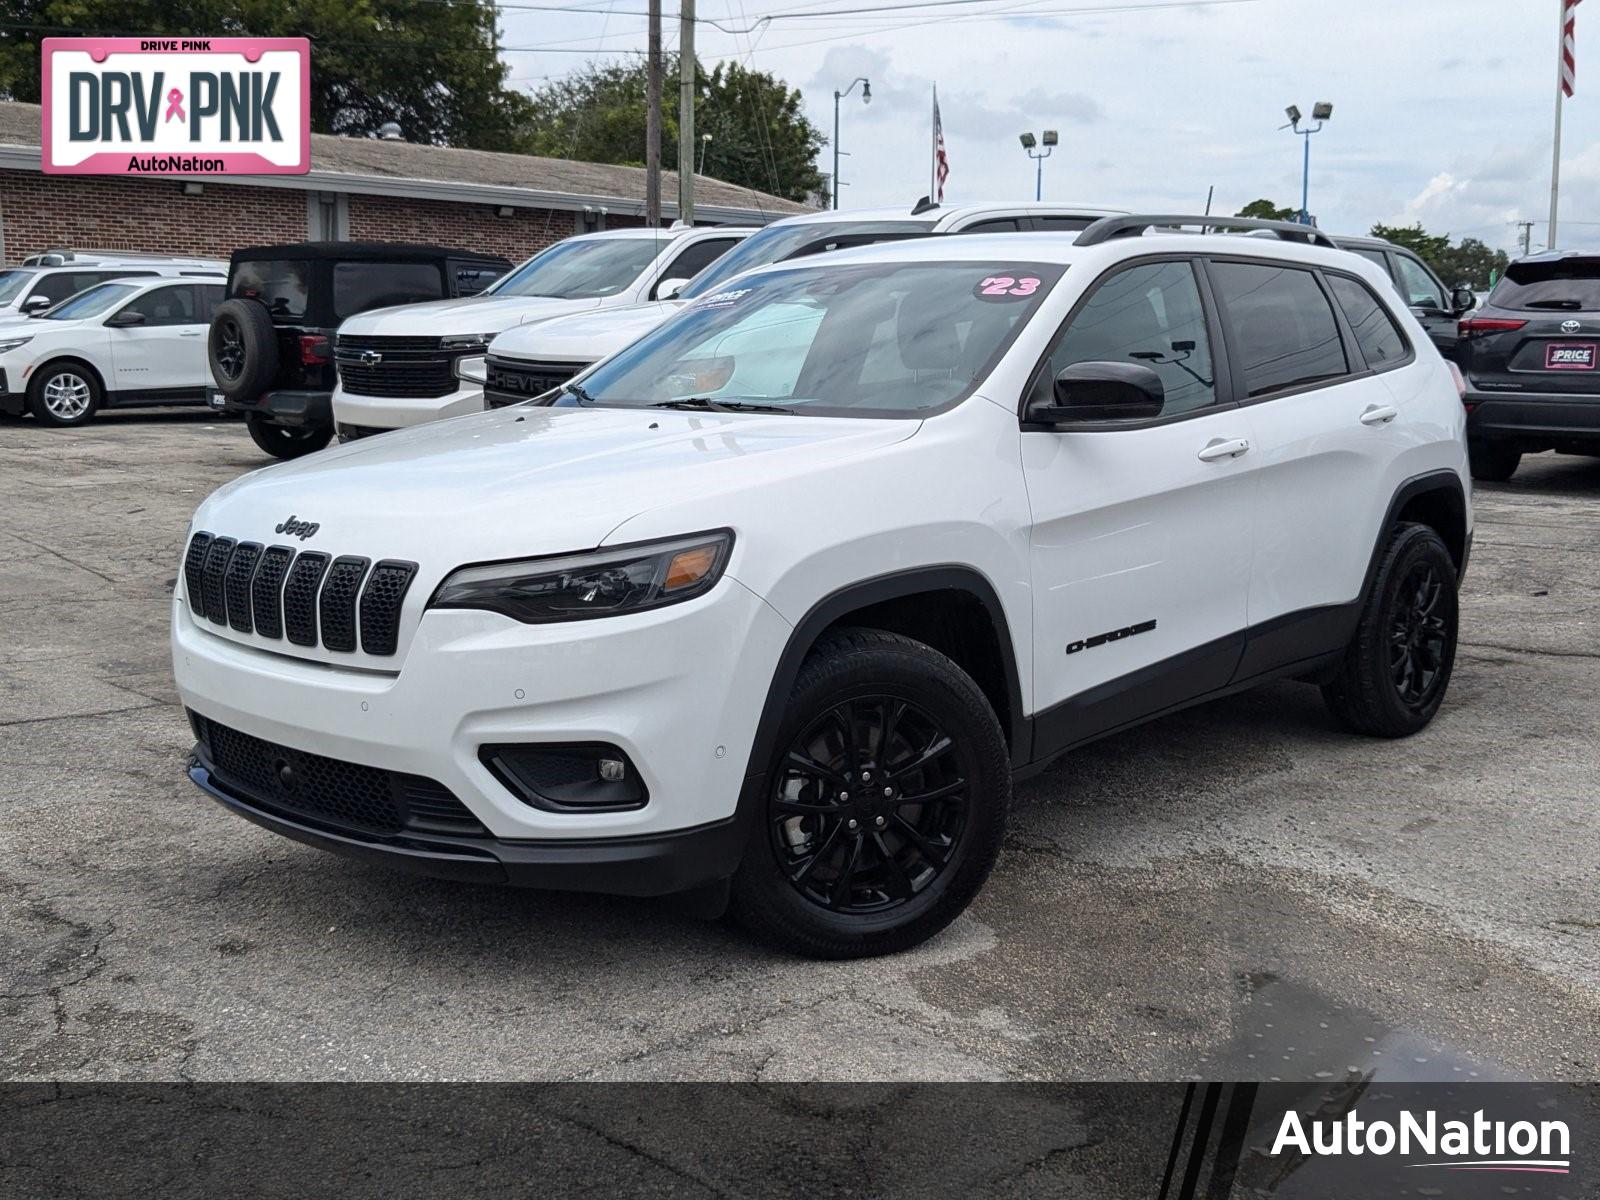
[395, 366]
[329, 790]
[275, 593]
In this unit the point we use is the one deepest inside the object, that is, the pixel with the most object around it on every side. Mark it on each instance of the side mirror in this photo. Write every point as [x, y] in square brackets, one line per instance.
[1464, 299]
[668, 289]
[1090, 392]
[35, 304]
[123, 319]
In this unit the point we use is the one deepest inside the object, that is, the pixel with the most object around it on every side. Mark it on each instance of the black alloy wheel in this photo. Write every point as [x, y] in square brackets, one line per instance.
[1418, 635]
[870, 806]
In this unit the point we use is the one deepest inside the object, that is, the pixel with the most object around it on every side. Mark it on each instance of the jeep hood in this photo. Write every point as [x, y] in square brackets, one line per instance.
[526, 481]
[466, 314]
[586, 336]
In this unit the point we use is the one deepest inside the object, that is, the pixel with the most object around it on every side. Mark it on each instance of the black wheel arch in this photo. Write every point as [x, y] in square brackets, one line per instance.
[1437, 499]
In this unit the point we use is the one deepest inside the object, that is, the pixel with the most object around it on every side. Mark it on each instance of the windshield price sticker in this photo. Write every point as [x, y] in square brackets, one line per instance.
[1006, 287]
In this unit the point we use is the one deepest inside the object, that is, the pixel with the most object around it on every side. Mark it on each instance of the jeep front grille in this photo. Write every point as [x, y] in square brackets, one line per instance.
[513, 380]
[310, 598]
[405, 367]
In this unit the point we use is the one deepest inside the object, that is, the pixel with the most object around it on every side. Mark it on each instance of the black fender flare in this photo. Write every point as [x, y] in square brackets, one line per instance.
[1442, 480]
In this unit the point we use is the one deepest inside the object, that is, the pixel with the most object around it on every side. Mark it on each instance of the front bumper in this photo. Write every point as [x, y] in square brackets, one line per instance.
[641, 866]
[1533, 416]
[12, 403]
[377, 413]
[679, 690]
[308, 410]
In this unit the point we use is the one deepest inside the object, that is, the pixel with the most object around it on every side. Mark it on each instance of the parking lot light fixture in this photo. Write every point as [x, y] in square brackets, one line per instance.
[1321, 112]
[1039, 149]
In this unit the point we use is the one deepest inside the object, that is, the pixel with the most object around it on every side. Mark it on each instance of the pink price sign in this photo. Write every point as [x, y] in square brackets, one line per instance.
[176, 106]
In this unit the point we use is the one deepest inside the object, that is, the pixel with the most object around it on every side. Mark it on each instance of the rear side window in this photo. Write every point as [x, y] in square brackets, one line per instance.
[281, 284]
[360, 286]
[999, 225]
[1284, 332]
[1565, 285]
[1377, 257]
[1379, 337]
[1072, 224]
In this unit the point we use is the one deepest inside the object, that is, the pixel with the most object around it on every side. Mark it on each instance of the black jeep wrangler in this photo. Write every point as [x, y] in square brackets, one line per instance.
[272, 337]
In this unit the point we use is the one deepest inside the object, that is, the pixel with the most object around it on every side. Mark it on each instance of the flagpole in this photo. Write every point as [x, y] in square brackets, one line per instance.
[933, 148]
[1555, 155]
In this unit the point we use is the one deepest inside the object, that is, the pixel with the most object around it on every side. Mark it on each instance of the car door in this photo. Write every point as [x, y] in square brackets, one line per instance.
[1325, 429]
[1141, 539]
[164, 353]
[1428, 300]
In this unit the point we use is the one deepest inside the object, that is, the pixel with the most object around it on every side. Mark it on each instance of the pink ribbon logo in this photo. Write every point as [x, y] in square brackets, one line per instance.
[175, 105]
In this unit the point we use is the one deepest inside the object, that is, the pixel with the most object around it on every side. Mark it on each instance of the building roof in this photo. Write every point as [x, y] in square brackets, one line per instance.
[346, 251]
[396, 168]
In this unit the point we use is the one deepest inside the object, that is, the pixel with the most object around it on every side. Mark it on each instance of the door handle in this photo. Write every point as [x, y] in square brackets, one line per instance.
[1379, 414]
[1217, 449]
[196, 333]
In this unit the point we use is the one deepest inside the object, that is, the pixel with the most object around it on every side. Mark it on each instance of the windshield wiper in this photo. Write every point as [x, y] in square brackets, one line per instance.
[1553, 304]
[707, 404]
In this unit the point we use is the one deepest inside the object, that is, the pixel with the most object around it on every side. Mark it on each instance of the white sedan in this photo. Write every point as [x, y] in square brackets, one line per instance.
[122, 343]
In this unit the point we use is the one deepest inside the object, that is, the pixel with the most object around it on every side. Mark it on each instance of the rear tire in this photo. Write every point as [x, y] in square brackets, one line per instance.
[286, 441]
[1493, 462]
[885, 805]
[64, 395]
[1397, 667]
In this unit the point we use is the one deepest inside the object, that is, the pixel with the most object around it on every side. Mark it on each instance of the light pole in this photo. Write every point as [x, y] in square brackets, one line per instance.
[705, 143]
[1047, 140]
[1320, 112]
[866, 98]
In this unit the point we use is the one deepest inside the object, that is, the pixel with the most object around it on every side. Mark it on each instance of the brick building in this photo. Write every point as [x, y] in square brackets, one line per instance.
[358, 189]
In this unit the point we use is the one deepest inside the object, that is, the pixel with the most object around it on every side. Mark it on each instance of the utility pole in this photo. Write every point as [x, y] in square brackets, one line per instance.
[686, 112]
[1527, 236]
[652, 121]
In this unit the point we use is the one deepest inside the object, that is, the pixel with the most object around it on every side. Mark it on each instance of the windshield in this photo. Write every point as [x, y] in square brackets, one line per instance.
[778, 242]
[12, 283]
[875, 340]
[91, 302]
[1567, 284]
[581, 268]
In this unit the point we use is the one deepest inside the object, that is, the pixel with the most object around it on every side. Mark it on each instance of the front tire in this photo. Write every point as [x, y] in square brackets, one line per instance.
[285, 441]
[65, 394]
[1397, 667]
[885, 806]
[1493, 462]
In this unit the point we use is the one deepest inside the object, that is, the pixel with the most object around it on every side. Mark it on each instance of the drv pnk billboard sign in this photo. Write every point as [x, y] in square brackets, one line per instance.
[177, 106]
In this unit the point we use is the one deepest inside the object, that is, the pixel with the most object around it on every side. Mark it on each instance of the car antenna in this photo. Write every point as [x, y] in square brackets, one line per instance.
[926, 204]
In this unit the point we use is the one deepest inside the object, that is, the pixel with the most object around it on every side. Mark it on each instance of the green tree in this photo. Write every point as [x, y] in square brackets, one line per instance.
[1471, 262]
[760, 137]
[432, 67]
[1266, 210]
[1430, 248]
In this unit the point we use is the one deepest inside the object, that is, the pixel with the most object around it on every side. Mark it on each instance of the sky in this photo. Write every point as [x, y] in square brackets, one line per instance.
[1443, 109]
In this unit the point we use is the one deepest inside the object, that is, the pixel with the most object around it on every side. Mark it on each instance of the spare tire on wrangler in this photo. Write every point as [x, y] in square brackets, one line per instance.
[243, 349]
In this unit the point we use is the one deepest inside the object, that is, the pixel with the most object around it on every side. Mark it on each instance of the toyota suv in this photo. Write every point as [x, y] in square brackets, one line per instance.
[775, 603]
[1529, 356]
[530, 359]
[387, 357]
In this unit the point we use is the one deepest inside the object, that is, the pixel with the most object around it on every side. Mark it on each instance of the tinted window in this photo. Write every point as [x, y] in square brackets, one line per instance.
[1002, 225]
[471, 279]
[281, 284]
[581, 268]
[1570, 284]
[885, 339]
[210, 296]
[1070, 223]
[697, 258]
[166, 306]
[1379, 337]
[58, 285]
[359, 286]
[1417, 285]
[1150, 315]
[1284, 332]
[778, 242]
[1378, 257]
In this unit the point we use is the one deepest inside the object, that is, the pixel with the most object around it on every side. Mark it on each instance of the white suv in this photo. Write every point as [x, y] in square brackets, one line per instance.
[128, 342]
[780, 598]
[397, 348]
[48, 279]
[528, 360]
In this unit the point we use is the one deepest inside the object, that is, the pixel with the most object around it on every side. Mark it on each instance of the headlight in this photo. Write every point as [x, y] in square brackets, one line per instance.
[601, 583]
[12, 343]
[466, 341]
[473, 368]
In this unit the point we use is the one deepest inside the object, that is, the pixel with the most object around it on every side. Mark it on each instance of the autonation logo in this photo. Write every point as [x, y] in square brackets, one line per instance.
[1476, 1145]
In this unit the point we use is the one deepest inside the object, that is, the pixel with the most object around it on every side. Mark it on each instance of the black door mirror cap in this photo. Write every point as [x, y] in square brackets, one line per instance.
[1101, 392]
[123, 320]
[1464, 299]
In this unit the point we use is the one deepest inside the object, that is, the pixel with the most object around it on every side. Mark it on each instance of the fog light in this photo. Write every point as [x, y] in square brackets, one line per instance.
[590, 777]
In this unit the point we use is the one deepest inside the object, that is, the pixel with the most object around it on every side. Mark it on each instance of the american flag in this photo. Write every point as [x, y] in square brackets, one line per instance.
[1569, 65]
[941, 160]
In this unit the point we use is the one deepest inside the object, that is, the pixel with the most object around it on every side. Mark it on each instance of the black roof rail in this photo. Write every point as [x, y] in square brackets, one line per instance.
[1107, 228]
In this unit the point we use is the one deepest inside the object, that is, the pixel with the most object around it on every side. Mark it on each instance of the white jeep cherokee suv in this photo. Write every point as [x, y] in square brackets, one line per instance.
[401, 349]
[780, 598]
[527, 360]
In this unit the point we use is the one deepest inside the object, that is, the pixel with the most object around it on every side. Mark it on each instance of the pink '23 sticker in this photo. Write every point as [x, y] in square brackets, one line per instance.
[1006, 287]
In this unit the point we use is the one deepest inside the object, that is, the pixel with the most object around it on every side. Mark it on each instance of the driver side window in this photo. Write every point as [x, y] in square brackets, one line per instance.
[1148, 315]
[1418, 286]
